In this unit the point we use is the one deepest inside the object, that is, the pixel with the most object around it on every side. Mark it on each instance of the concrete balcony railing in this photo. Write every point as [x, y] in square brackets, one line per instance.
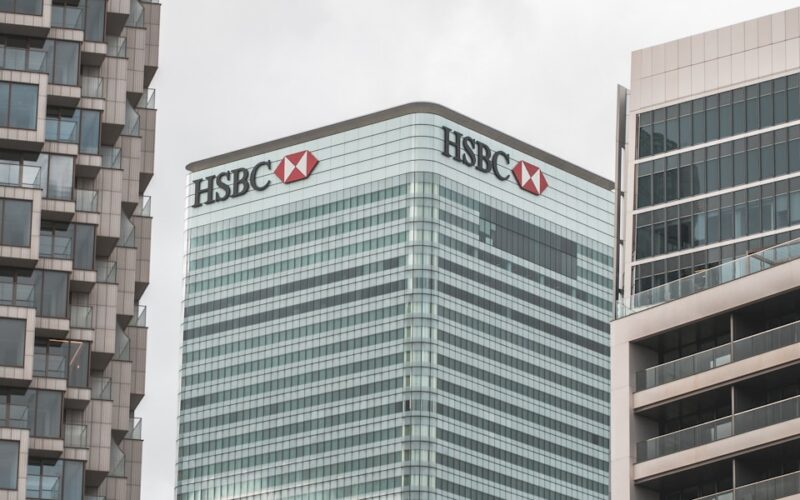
[754, 345]
[710, 278]
[739, 423]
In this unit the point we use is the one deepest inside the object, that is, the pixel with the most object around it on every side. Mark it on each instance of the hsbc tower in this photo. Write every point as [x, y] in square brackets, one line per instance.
[409, 304]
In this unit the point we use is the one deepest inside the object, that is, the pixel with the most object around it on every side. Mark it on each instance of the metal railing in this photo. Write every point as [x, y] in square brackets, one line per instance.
[23, 59]
[148, 99]
[139, 317]
[101, 388]
[117, 46]
[91, 86]
[710, 278]
[85, 200]
[81, 317]
[112, 157]
[739, 423]
[747, 347]
[75, 436]
[106, 271]
[135, 428]
[17, 174]
[143, 208]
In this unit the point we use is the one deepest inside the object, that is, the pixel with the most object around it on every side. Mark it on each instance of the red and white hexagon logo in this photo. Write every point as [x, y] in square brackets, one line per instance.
[296, 166]
[529, 177]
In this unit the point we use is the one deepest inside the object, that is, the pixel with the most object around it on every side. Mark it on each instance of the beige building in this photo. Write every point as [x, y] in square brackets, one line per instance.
[705, 350]
[77, 128]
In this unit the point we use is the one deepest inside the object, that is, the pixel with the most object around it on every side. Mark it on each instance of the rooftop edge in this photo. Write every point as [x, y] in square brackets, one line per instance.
[397, 111]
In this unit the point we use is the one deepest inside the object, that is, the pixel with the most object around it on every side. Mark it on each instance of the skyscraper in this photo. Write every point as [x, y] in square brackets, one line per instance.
[409, 301]
[704, 356]
[76, 155]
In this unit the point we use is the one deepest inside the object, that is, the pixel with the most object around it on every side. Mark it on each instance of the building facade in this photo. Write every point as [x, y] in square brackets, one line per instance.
[406, 304]
[76, 155]
[704, 352]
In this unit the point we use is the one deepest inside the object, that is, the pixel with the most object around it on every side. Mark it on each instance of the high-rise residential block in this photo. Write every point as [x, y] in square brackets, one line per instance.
[409, 304]
[76, 155]
[705, 350]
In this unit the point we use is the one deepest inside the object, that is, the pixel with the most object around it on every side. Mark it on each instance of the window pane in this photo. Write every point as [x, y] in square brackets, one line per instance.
[768, 213]
[659, 238]
[60, 177]
[95, 20]
[740, 220]
[712, 171]
[643, 194]
[794, 205]
[781, 158]
[739, 122]
[12, 342]
[672, 184]
[753, 165]
[726, 172]
[78, 364]
[643, 243]
[725, 115]
[65, 63]
[54, 295]
[90, 132]
[752, 107]
[9, 456]
[672, 235]
[685, 181]
[16, 223]
[4, 92]
[84, 247]
[48, 414]
[712, 118]
[685, 233]
[23, 106]
[767, 162]
[73, 480]
[658, 188]
[713, 226]
[699, 227]
[32, 7]
[754, 216]
[699, 178]
[781, 211]
[739, 169]
[766, 106]
[726, 223]
[698, 121]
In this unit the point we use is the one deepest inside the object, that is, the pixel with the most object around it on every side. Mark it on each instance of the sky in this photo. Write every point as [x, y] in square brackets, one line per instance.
[241, 72]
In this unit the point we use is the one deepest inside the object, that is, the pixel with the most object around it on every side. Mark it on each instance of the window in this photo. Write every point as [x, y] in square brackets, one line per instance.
[35, 410]
[12, 342]
[62, 359]
[56, 240]
[9, 459]
[60, 480]
[83, 253]
[31, 7]
[75, 126]
[51, 293]
[95, 20]
[63, 61]
[15, 219]
[19, 103]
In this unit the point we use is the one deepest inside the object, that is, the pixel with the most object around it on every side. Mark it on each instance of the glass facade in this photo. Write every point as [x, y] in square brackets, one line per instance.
[717, 178]
[396, 324]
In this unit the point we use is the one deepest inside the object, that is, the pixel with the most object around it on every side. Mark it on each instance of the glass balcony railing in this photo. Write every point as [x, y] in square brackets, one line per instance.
[139, 317]
[15, 174]
[106, 271]
[112, 157]
[23, 59]
[85, 200]
[754, 345]
[122, 346]
[143, 209]
[710, 278]
[92, 86]
[725, 495]
[134, 429]
[746, 421]
[770, 489]
[101, 388]
[117, 46]
[117, 461]
[66, 16]
[81, 317]
[19, 294]
[75, 436]
[148, 99]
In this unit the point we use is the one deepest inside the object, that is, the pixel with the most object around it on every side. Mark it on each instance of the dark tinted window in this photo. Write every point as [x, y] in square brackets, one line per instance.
[9, 458]
[12, 342]
[15, 217]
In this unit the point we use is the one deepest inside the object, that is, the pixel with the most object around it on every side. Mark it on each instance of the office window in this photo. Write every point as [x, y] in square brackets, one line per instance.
[18, 105]
[15, 218]
[9, 464]
[12, 342]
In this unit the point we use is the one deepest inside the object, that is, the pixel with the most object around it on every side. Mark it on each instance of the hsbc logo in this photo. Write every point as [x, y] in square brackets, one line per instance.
[239, 181]
[474, 153]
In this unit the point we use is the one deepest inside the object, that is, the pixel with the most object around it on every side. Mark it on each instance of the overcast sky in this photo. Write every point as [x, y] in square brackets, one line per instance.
[235, 73]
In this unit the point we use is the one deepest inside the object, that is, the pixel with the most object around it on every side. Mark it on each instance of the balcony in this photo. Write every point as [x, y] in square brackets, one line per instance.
[117, 46]
[112, 157]
[101, 388]
[139, 318]
[92, 87]
[719, 356]
[726, 427]
[135, 431]
[86, 200]
[81, 317]
[76, 436]
[106, 271]
[710, 278]
[23, 59]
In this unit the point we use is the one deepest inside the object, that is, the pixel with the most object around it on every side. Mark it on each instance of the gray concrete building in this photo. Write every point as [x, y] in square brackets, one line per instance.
[705, 347]
[409, 304]
[77, 128]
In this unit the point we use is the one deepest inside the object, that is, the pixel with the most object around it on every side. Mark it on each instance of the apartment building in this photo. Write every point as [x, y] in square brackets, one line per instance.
[76, 155]
[409, 304]
[705, 348]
